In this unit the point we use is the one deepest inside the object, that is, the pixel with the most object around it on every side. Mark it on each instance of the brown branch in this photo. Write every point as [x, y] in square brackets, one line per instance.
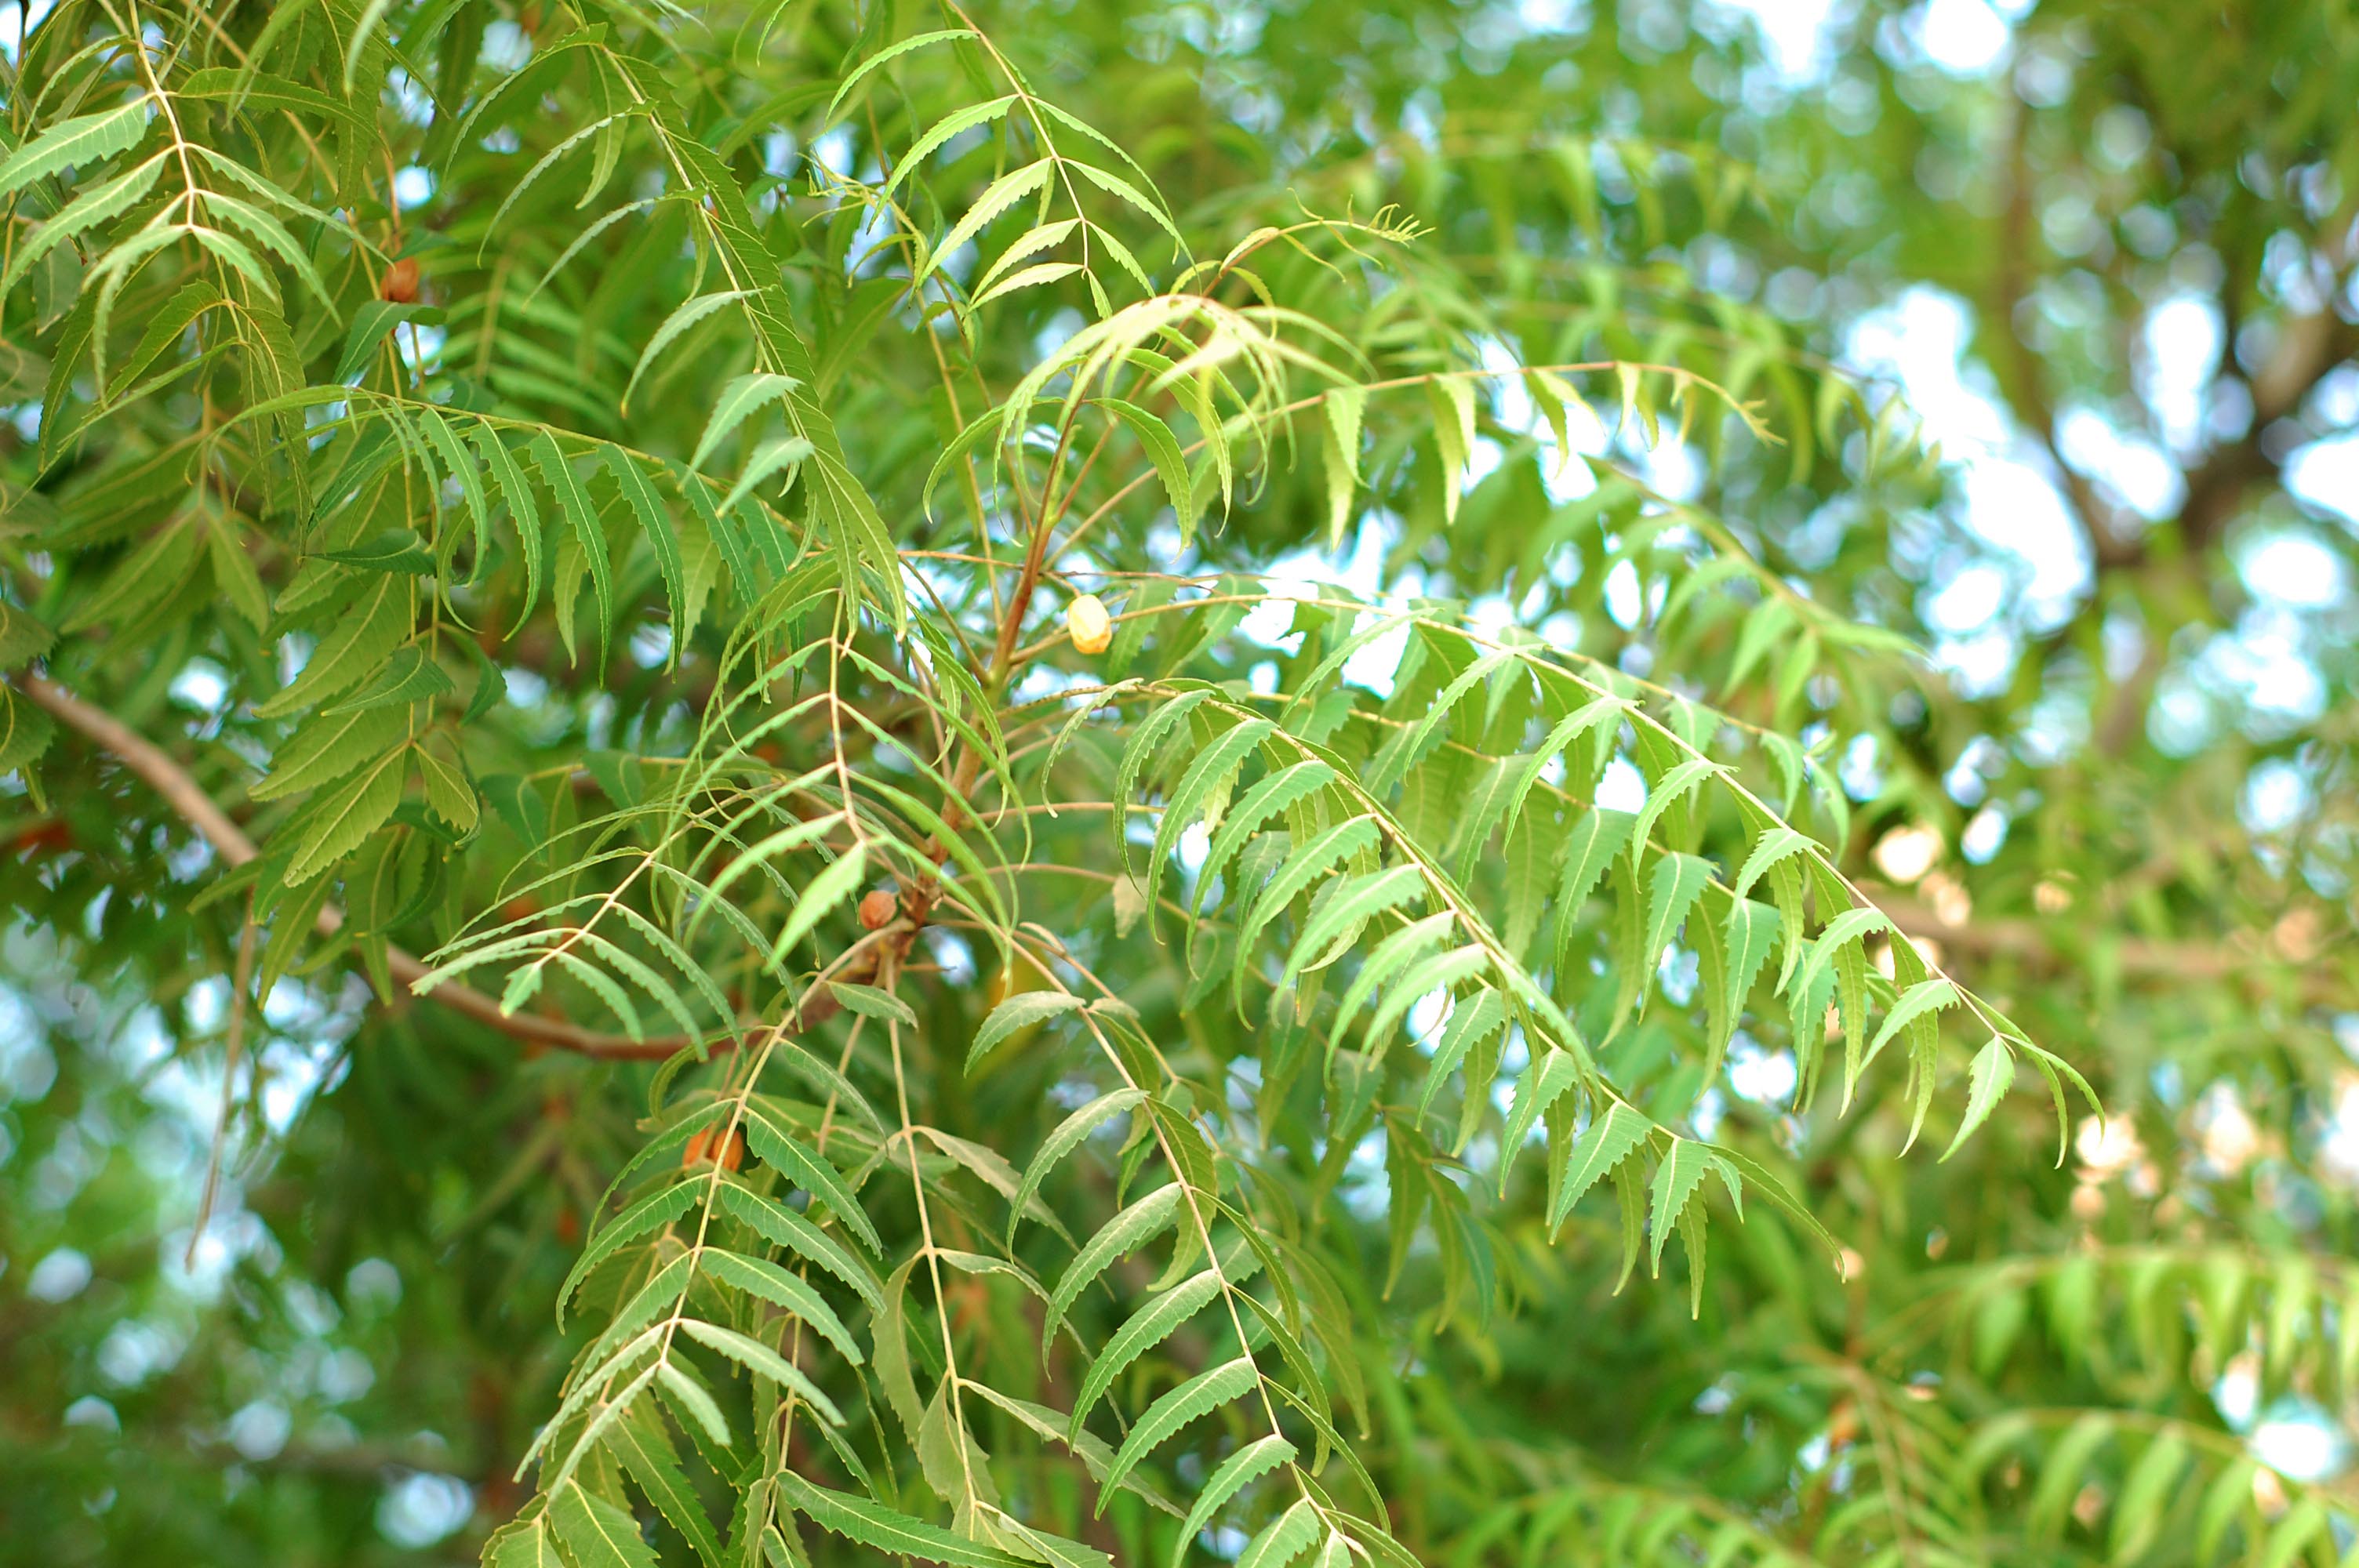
[186, 798]
[2307, 347]
[2027, 942]
[2023, 376]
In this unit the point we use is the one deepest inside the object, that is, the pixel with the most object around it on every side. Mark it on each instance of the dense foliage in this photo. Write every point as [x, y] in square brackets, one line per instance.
[1040, 784]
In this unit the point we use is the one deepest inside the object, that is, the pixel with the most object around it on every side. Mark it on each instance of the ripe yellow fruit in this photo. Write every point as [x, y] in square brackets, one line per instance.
[1090, 627]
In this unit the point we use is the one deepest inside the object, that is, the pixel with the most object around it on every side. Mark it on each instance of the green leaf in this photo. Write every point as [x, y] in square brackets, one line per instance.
[1681, 1171]
[410, 676]
[656, 1209]
[833, 884]
[448, 793]
[1440, 972]
[370, 322]
[328, 748]
[738, 400]
[692, 1397]
[1923, 998]
[1034, 276]
[1669, 790]
[1019, 1011]
[102, 204]
[24, 732]
[885, 57]
[1148, 1327]
[1671, 891]
[1601, 718]
[1609, 1140]
[2307, 1521]
[2230, 1493]
[1774, 846]
[1045, 237]
[1752, 934]
[771, 458]
[523, 1543]
[997, 198]
[1170, 463]
[144, 578]
[348, 815]
[1205, 1392]
[869, 1002]
[1207, 780]
[782, 1226]
[1589, 850]
[1239, 1469]
[1343, 407]
[274, 237]
[388, 550]
[1127, 1231]
[1148, 734]
[1304, 867]
[1989, 1078]
[595, 1533]
[1272, 793]
[1067, 1136]
[364, 638]
[688, 314]
[1543, 1082]
[1285, 1538]
[640, 1442]
[524, 512]
[885, 1529]
[462, 467]
[780, 1149]
[1452, 398]
[762, 1362]
[941, 130]
[757, 1277]
[1850, 926]
[574, 505]
[77, 142]
[2146, 1496]
[1116, 186]
[22, 638]
[655, 522]
[1341, 914]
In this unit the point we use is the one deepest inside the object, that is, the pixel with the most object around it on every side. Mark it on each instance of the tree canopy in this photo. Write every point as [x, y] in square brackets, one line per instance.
[1042, 784]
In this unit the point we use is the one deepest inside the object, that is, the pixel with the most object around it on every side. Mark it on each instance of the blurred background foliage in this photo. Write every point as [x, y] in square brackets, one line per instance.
[2099, 255]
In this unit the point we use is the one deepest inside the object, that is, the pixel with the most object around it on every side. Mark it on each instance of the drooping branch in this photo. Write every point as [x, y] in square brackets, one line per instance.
[188, 799]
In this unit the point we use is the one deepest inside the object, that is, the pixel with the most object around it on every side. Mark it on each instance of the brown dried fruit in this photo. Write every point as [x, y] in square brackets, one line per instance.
[701, 1145]
[877, 910]
[43, 836]
[399, 284]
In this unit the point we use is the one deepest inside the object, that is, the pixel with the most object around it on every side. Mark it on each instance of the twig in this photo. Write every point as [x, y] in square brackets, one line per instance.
[186, 798]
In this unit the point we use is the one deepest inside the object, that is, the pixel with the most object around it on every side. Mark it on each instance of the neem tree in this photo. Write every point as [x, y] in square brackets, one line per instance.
[1121, 758]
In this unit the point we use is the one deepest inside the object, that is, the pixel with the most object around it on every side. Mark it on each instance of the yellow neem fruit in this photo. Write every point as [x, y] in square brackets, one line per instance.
[1091, 626]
